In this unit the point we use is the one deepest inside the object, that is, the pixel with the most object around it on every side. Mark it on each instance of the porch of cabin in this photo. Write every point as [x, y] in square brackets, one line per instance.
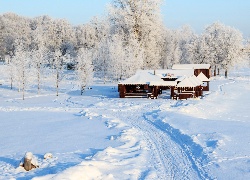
[186, 92]
[139, 91]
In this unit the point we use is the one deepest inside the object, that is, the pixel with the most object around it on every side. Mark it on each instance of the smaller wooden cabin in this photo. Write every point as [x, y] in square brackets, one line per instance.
[187, 87]
[197, 68]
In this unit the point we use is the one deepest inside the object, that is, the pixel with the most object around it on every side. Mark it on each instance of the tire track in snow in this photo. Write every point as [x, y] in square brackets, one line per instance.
[170, 157]
[184, 148]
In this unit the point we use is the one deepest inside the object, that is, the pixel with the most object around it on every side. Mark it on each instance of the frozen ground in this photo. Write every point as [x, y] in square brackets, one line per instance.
[99, 136]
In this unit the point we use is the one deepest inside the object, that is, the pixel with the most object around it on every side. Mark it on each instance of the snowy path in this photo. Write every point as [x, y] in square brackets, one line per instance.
[170, 152]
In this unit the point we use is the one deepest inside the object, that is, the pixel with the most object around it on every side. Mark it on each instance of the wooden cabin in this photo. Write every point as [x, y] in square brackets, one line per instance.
[183, 81]
[143, 84]
[188, 87]
[139, 86]
[197, 68]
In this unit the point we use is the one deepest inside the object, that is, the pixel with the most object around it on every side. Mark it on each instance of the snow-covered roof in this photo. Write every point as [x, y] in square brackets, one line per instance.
[191, 66]
[186, 83]
[142, 77]
[202, 77]
[180, 78]
[163, 83]
[185, 77]
[195, 80]
[170, 73]
[191, 81]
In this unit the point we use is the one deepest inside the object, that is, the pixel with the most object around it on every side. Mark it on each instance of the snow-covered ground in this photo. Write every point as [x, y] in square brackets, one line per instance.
[100, 136]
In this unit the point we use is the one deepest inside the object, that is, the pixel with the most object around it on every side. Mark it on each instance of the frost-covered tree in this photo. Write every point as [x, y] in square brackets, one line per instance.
[123, 61]
[11, 69]
[2, 29]
[60, 43]
[172, 51]
[57, 67]
[225, 45]
[198, 51]
[139, 20]
[247, 51]
[134, 58]
[84, 68]
[38, 51]
[38, 62]
[86, 36]
[185, 35]
[101, 59]
[21, 61]
[100, 49]
[117, 57]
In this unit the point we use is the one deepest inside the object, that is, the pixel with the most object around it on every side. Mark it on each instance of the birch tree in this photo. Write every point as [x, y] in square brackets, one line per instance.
[38, 51]
[22, 62]
[11, 69]
[84, 68]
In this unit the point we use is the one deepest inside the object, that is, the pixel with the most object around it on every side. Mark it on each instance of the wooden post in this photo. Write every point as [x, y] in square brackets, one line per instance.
[23, 83]
[57, 82]
[172, 92]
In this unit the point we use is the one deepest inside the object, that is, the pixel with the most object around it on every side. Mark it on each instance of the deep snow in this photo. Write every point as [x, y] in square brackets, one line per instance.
[100, 136]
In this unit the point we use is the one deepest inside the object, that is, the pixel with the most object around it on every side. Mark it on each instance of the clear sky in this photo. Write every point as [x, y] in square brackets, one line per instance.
[197, 13]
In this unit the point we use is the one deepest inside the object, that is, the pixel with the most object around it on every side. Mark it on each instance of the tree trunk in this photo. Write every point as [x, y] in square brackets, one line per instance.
[57, 82]
[11, 82]
[218, 71]
[23, 84]
[82, 89]
[226, 73]
[38, 79]
[215, 70]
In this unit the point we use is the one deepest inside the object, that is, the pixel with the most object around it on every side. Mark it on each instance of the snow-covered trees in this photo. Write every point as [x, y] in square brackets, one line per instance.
[224, 45]
[198, 50]
[84, 68]
[172, 49]
[38, 51]
[247, 51]
[21, 61]
[131, 37]
[141, 21]
[1, 39]
[124, 60]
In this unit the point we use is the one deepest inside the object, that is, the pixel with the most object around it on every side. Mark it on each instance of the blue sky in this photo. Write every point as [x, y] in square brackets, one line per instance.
[197, 13]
